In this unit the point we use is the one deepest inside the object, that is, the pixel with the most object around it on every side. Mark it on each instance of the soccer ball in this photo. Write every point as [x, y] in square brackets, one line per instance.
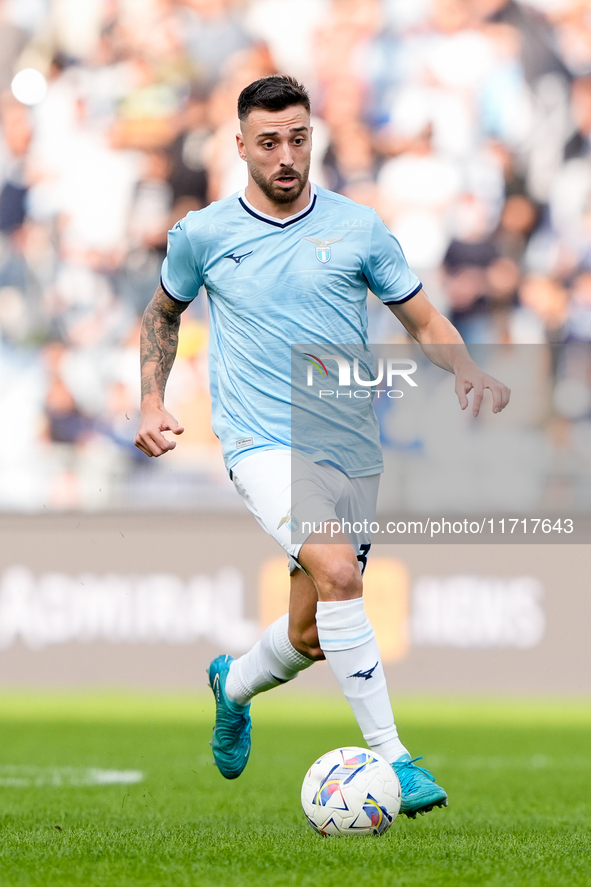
[351, 791]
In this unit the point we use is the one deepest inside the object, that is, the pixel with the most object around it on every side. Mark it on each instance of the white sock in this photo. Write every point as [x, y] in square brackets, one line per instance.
[349, 644]
[272, 661]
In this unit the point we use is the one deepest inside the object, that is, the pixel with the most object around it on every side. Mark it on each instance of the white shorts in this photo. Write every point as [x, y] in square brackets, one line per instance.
[292, 497]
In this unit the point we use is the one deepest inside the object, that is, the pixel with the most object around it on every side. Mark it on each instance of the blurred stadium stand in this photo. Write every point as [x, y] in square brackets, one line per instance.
[465, 123]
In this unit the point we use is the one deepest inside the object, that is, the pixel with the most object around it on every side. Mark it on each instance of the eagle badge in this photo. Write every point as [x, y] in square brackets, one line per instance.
[323, 247]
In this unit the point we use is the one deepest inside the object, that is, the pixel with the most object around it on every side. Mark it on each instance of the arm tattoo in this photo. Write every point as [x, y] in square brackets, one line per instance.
[159, 340]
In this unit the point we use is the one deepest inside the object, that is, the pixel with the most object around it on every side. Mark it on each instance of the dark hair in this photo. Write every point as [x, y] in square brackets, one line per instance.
[274, 93]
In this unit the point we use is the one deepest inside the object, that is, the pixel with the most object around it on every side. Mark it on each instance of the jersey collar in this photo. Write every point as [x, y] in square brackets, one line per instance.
[271, 220]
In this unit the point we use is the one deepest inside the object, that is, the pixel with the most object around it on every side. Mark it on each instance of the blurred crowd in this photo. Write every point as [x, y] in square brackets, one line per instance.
[465, 123]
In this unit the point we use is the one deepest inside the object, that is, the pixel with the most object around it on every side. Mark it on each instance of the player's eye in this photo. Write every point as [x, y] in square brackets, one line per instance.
[268, 145]
[299, 141]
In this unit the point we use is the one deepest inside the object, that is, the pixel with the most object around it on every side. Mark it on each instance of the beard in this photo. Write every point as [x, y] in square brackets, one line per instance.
[278, 195]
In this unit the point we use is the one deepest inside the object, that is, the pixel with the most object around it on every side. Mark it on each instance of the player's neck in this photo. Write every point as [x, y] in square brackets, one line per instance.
[259, 201]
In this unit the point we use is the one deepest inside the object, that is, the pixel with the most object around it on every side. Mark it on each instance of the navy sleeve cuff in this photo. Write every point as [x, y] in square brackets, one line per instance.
[170, 295]
[406, 298]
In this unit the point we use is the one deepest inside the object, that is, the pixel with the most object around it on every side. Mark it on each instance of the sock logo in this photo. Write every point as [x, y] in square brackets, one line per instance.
[367, 674]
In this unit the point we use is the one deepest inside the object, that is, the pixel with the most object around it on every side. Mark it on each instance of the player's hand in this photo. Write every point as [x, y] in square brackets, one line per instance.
[149, 438]
[470, 377]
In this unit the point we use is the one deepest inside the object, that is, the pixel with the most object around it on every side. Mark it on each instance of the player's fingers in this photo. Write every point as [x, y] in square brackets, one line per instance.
[169, 423]
[478, 395]
[140, 445]
[154, 444]
[162, 444]
[500, 394]
[462, 389]
[497, 396]
[148, 447]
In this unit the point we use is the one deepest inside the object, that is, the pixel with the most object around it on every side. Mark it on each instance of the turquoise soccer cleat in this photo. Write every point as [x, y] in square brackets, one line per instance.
[231, 733]
[420, 792]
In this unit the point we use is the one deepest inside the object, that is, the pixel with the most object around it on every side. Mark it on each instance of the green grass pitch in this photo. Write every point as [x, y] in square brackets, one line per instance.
[518, 776]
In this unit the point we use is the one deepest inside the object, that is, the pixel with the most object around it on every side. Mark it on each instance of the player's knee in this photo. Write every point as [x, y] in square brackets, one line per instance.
[340, 581]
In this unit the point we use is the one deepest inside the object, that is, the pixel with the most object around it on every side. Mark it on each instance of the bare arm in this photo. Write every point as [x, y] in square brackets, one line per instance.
[443, 345]
[158, 346]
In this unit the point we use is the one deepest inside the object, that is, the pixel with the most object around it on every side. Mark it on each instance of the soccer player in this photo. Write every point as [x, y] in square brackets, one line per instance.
[286, 262]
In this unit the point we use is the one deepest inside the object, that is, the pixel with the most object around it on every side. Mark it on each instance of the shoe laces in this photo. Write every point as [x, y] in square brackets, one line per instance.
[409, 773]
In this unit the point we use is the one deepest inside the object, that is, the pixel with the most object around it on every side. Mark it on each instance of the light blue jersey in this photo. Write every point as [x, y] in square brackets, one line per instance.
[272, 284]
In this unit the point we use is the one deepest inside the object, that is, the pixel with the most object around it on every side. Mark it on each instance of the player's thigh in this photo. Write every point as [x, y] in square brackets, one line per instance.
[358, 510]
[337, 555]
[347, 541]
[288, 495]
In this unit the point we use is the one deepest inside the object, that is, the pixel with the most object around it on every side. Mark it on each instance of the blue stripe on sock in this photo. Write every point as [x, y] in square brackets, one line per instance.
[347, 639]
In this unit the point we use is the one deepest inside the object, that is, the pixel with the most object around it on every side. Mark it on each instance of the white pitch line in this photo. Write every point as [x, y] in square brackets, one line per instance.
[26, 775]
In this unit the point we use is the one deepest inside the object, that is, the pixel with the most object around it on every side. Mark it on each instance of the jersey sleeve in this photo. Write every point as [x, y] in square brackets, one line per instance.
[181, 277]
[386, 269]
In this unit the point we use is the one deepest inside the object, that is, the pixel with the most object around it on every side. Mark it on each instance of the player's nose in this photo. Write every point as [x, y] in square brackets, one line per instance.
[286, 156]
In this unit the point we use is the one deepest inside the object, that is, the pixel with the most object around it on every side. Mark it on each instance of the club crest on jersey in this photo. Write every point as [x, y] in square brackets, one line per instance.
[323, 247]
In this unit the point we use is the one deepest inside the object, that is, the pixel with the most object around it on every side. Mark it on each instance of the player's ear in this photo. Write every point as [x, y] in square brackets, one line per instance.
[240, 145]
